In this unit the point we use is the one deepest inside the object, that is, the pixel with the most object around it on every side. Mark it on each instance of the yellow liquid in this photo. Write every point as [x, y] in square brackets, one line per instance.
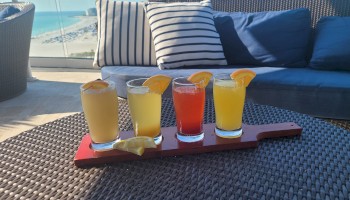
[229, 102]
[145, 110]
[101, 113]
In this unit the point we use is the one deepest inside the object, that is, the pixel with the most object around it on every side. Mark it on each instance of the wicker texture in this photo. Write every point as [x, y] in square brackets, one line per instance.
[15, 36]
[318, 8]
[38, 164]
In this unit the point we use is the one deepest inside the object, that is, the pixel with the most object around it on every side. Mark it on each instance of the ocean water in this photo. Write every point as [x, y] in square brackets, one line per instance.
[50, 21]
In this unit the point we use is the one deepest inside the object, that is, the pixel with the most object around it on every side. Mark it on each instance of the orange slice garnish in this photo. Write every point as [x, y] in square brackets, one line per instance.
[201, 79]
[135, 145]
[243, 74]
[95, 85]
[157, 83]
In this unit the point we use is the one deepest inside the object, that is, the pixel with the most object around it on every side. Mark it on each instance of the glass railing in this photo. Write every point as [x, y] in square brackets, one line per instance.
[64, 29]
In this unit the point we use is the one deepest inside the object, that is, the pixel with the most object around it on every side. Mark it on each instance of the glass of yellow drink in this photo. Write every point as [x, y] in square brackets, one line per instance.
[100, 106]
[145, 109]
[229, 97]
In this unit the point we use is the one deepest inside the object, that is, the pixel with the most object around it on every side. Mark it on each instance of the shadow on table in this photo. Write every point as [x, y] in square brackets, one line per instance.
[43, 101]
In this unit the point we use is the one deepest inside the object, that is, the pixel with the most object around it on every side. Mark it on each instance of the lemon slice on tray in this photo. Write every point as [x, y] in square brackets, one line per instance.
[157, 83]
[135, 145]
[202, 77]
[245, 74]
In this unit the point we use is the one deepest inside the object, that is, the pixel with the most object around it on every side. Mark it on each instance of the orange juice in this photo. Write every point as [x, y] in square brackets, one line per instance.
[100, 105]
[229, 97]
[145, 110]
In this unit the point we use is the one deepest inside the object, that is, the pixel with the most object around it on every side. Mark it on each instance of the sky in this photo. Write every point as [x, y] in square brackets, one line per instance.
[66, 5]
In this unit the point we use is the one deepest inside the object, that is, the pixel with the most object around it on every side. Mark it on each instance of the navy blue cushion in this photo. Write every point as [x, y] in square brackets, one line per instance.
[332, 44]
[314, 92]
[8, 11]
[276, 38]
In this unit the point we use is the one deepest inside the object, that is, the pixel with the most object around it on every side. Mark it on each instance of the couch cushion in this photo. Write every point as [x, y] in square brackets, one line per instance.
[124, 36]
[332, 44]
[318, 93]
[184, 34]
[275, 38]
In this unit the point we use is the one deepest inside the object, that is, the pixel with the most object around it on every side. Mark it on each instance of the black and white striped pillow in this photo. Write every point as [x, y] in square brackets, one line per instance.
[124, 35]
[184, 34]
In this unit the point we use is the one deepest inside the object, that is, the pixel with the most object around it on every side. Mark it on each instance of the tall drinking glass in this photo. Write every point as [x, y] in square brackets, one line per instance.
[229, 97]
[145, 109]
[100, 106]
[189, 100]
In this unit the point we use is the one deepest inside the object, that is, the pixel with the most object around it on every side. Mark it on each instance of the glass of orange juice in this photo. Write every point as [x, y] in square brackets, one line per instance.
[229, 96]
[100, 105]
[145, 109]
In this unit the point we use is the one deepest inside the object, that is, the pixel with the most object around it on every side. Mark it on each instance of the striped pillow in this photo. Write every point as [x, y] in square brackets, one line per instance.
[124, 35]
[184, 34]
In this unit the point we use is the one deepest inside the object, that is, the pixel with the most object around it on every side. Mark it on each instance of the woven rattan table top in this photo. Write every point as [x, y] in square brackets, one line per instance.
[38, 164]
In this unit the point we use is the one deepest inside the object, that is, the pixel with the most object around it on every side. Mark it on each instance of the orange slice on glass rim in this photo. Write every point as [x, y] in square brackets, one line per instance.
[157, 83]
[201, 79]
[243, 74]
[97, 84]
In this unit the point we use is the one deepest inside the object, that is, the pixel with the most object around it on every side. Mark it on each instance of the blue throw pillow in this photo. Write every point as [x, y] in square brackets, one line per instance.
[332, 44]
[275, 38]
[8, 11]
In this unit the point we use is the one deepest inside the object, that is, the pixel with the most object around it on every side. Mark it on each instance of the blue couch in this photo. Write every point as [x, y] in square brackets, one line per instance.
[318, 93]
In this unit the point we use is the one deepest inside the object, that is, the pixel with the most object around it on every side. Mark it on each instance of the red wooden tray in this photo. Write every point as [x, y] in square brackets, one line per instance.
[170, 146]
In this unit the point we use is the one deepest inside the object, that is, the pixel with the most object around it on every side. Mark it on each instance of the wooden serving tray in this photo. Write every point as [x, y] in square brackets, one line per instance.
[170, 146]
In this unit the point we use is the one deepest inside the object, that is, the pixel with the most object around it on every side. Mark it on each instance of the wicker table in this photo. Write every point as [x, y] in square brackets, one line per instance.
[38, 164]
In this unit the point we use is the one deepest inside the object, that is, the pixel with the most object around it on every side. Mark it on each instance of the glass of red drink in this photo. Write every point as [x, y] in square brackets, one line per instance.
[189, 100]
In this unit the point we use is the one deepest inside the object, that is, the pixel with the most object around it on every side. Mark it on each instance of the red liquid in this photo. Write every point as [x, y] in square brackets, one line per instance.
[189, 109]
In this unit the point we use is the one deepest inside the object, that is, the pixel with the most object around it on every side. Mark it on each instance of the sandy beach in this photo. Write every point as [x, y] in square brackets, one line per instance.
[77, 40]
